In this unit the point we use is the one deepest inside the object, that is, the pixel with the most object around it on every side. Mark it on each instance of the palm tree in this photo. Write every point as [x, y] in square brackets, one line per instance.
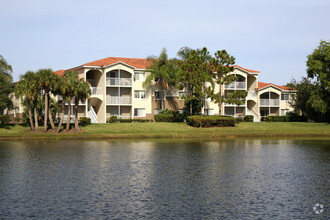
[63, 91]
[71, 78]
[82, 91]
[47, 81]
[163, 71]
[25, 89]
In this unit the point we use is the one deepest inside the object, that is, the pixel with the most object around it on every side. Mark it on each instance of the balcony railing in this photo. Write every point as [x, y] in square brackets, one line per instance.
[121, 116]
[117, 100]
[228, 104]
[96, 90]
[236, 85]
[113, 81]
[60, 98]
[269, 102]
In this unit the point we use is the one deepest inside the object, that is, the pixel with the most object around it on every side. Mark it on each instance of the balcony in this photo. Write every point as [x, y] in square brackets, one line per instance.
[269, 102]
[232, 105]
[117, 100]
[236, 85]
[114, 81]
[96, 90]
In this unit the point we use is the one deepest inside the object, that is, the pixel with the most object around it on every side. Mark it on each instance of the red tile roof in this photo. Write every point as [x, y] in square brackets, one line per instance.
[139, 63]
[136, 62]
[60, 72]
[248, 70]
[263, 85]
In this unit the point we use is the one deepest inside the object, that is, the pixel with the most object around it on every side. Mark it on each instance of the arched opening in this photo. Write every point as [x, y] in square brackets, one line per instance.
[251, 82]
[119, 78]
[94, 109]
[252, 109]
[237, 84]
[94, 78]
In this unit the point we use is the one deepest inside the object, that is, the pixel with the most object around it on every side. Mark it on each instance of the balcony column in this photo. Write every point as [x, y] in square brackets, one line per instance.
[119, 95]
[269, 103]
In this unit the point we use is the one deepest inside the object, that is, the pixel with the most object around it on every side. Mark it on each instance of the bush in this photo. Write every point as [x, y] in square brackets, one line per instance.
[211, 121]
[164, 118]
[248, 118]
[84, 120]
[18, 119]
[170, 116]
[295, 117]
[113, 119]
[134, 120]
[239, 119]
[4, 120]
[276, 118]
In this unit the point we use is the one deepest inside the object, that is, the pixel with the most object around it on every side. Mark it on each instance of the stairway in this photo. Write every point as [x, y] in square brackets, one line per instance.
[92, 114]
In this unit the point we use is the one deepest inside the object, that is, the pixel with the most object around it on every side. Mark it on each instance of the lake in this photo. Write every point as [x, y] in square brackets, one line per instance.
[165, 179]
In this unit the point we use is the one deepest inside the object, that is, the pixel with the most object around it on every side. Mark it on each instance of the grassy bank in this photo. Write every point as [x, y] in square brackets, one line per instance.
[174, 130]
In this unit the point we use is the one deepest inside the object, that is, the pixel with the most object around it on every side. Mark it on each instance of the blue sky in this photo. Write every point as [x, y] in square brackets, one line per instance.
[273, 37]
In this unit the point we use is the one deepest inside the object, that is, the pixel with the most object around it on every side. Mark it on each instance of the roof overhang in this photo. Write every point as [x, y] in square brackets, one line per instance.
[275, 87]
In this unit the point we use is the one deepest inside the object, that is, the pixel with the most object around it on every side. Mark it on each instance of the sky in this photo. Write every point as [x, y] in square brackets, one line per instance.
[273, 37]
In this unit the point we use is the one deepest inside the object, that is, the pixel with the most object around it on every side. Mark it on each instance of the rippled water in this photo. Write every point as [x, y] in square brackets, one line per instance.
[236, 179]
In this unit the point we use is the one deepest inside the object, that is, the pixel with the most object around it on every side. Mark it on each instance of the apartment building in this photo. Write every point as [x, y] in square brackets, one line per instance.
[117, 89]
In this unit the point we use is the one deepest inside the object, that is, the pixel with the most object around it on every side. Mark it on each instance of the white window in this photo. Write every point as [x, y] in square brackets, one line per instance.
[157, 111]
[139, 76]
[139, 94]
[181, 111]
[140, 112]
[208, 112]
[285, 96]
[284, 111]
[158, 95]
[229, 111]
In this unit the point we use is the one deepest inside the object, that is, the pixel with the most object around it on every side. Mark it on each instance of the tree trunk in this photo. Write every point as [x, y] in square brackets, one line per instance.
[68, 118]
[163, 95]
[36, 119]
[191, 107]
[61, 121]
[201, 107]
[76, 124]
[46, 111]
[30, 115]
[51, 118]
[220, 101]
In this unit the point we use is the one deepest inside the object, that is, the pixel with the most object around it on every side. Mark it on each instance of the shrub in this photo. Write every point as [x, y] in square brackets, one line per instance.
[239, 119]
[170, 116]
[113, 119]
[18, 119]
[84, 120]
[276, 119]
[248, 118]
[295, 117]
[211, 121]
[134, 120]
[164, 118]
[4, 120]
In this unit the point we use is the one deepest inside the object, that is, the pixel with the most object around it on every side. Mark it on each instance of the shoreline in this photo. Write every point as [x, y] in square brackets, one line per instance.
[182, 131]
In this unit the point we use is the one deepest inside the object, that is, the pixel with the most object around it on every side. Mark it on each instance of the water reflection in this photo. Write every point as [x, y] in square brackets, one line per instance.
[163, 179]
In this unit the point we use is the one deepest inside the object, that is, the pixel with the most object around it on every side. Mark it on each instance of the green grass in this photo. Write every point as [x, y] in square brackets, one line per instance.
[175, 130]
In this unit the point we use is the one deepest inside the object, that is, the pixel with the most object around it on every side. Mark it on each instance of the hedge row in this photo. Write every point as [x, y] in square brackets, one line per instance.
[134, 120]
[292, 117]
[211, 121]
[170, 116]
